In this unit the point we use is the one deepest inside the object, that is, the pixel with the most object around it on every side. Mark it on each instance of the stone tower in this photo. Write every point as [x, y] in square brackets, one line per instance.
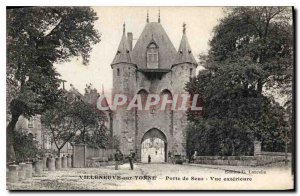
[124, 82]
[153, 66]
[183, 68]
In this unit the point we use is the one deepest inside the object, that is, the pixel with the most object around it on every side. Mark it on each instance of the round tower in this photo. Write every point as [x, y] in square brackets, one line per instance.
[124, 83]
[183, 68]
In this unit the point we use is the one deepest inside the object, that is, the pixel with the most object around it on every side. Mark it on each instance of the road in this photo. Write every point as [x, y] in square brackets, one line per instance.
[160, 176]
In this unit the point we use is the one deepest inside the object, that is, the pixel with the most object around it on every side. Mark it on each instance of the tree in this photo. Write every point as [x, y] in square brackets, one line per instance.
[233, 115]
[250, 54]
[25, 146]
[95, 137]
[36, 39]
[94, 131]
[71, 117]
[59, 121]
[89, 120]
[261, 35]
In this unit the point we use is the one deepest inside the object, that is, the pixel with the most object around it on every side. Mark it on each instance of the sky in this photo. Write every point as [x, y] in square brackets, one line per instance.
[200, 22]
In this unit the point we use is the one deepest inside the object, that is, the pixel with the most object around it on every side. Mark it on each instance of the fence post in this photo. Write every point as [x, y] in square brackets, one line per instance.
[257, 148]
[44, 163]
[13, 173]
[29, 170]
[69, 160]
[51, 164]
[64, 162]
[58, 163]
[38, 167]
[22, 171]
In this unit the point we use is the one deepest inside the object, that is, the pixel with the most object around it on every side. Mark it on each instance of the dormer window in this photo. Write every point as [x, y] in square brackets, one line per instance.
[152, 56]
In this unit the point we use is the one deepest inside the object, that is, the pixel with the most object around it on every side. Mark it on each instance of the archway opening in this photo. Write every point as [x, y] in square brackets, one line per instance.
[154, 144]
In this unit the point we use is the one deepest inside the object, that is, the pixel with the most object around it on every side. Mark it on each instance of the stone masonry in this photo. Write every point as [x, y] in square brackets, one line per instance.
[152, 66]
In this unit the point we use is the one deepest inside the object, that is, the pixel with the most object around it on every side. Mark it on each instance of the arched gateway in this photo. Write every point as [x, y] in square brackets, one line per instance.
[154, 143]
[155, 66]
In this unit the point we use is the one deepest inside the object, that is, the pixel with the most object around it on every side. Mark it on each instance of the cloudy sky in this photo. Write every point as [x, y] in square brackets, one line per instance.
[199, 20]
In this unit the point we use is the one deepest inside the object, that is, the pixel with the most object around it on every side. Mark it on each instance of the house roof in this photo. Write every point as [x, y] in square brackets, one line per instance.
[104, 102]
[153, 32]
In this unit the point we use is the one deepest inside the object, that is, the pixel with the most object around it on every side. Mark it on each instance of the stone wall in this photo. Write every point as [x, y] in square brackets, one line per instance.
[94, 152]
[227, 160]
[240, 160]
[259, 158]
[99, 157]
[84, 156]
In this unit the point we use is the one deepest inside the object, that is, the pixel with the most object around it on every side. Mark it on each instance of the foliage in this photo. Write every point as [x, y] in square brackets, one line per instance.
[94, 131]
[90, 122]
[99, 137]
[212, 137]
[251, 52]
[72, 119]
[25, 147]
[261, 35]
[58, 120]
[39, 37]
[36, 38]
[234, 114]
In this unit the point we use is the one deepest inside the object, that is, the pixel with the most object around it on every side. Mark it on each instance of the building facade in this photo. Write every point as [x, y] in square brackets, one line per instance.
[31, 126]
[152, 66]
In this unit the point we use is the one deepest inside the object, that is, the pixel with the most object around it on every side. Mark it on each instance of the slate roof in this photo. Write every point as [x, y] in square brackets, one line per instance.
[123, 52]
[154, 31]
[184, 54]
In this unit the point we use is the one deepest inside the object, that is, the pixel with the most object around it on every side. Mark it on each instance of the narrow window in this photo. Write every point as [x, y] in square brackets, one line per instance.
[191, 73]
[30, 122]
[118, 72]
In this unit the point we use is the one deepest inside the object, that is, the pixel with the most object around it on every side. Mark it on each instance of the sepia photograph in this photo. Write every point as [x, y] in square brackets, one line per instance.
[150, 98]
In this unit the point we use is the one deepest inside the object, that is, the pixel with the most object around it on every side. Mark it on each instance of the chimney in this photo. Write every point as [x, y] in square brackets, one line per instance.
[130, 39]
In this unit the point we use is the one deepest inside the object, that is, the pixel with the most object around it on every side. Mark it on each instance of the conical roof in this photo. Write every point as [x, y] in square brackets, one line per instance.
[154, 32]
[184, 54]
[123, 52]
[104, 102]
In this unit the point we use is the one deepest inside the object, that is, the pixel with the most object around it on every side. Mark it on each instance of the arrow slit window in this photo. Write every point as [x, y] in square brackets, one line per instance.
[30, 122]
[152, 56]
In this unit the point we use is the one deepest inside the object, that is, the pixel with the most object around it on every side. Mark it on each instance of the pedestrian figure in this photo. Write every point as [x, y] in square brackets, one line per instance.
[194, 156]
[131, 159]
[149, 159]
[169, 157]
[117, 159]
[190, 156]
